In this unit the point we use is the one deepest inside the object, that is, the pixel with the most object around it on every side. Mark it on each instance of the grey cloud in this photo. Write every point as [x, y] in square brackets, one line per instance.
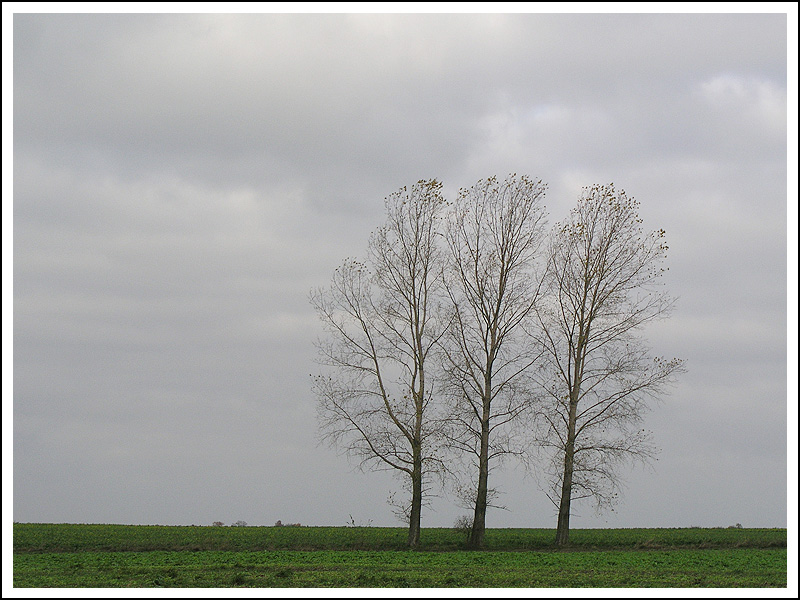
[182, 181]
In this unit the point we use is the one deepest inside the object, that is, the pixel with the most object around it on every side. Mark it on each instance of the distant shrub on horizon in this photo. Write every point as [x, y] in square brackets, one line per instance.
[279, 524]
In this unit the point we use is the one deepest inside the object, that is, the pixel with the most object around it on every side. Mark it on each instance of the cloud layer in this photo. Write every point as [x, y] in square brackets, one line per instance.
[182, 181]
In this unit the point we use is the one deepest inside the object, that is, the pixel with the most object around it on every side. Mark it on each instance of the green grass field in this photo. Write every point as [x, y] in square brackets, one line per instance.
[161, 556]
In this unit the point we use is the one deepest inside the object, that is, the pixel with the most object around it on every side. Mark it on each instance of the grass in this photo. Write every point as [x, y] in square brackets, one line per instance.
[39, 537]
[155, 556]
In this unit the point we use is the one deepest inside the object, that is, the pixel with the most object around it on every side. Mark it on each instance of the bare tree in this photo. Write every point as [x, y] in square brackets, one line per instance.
[602, 285]
[493, 236]
[377, 401]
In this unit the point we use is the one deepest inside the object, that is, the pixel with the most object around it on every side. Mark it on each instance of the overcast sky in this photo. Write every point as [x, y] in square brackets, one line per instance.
[181, 182]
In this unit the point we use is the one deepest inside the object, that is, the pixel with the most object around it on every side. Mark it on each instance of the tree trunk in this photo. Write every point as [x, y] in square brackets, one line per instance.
[416, 499]
[562, 530]
[479, 519]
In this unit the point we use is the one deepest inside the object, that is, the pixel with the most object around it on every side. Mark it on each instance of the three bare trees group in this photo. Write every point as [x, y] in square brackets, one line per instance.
[469, 332]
